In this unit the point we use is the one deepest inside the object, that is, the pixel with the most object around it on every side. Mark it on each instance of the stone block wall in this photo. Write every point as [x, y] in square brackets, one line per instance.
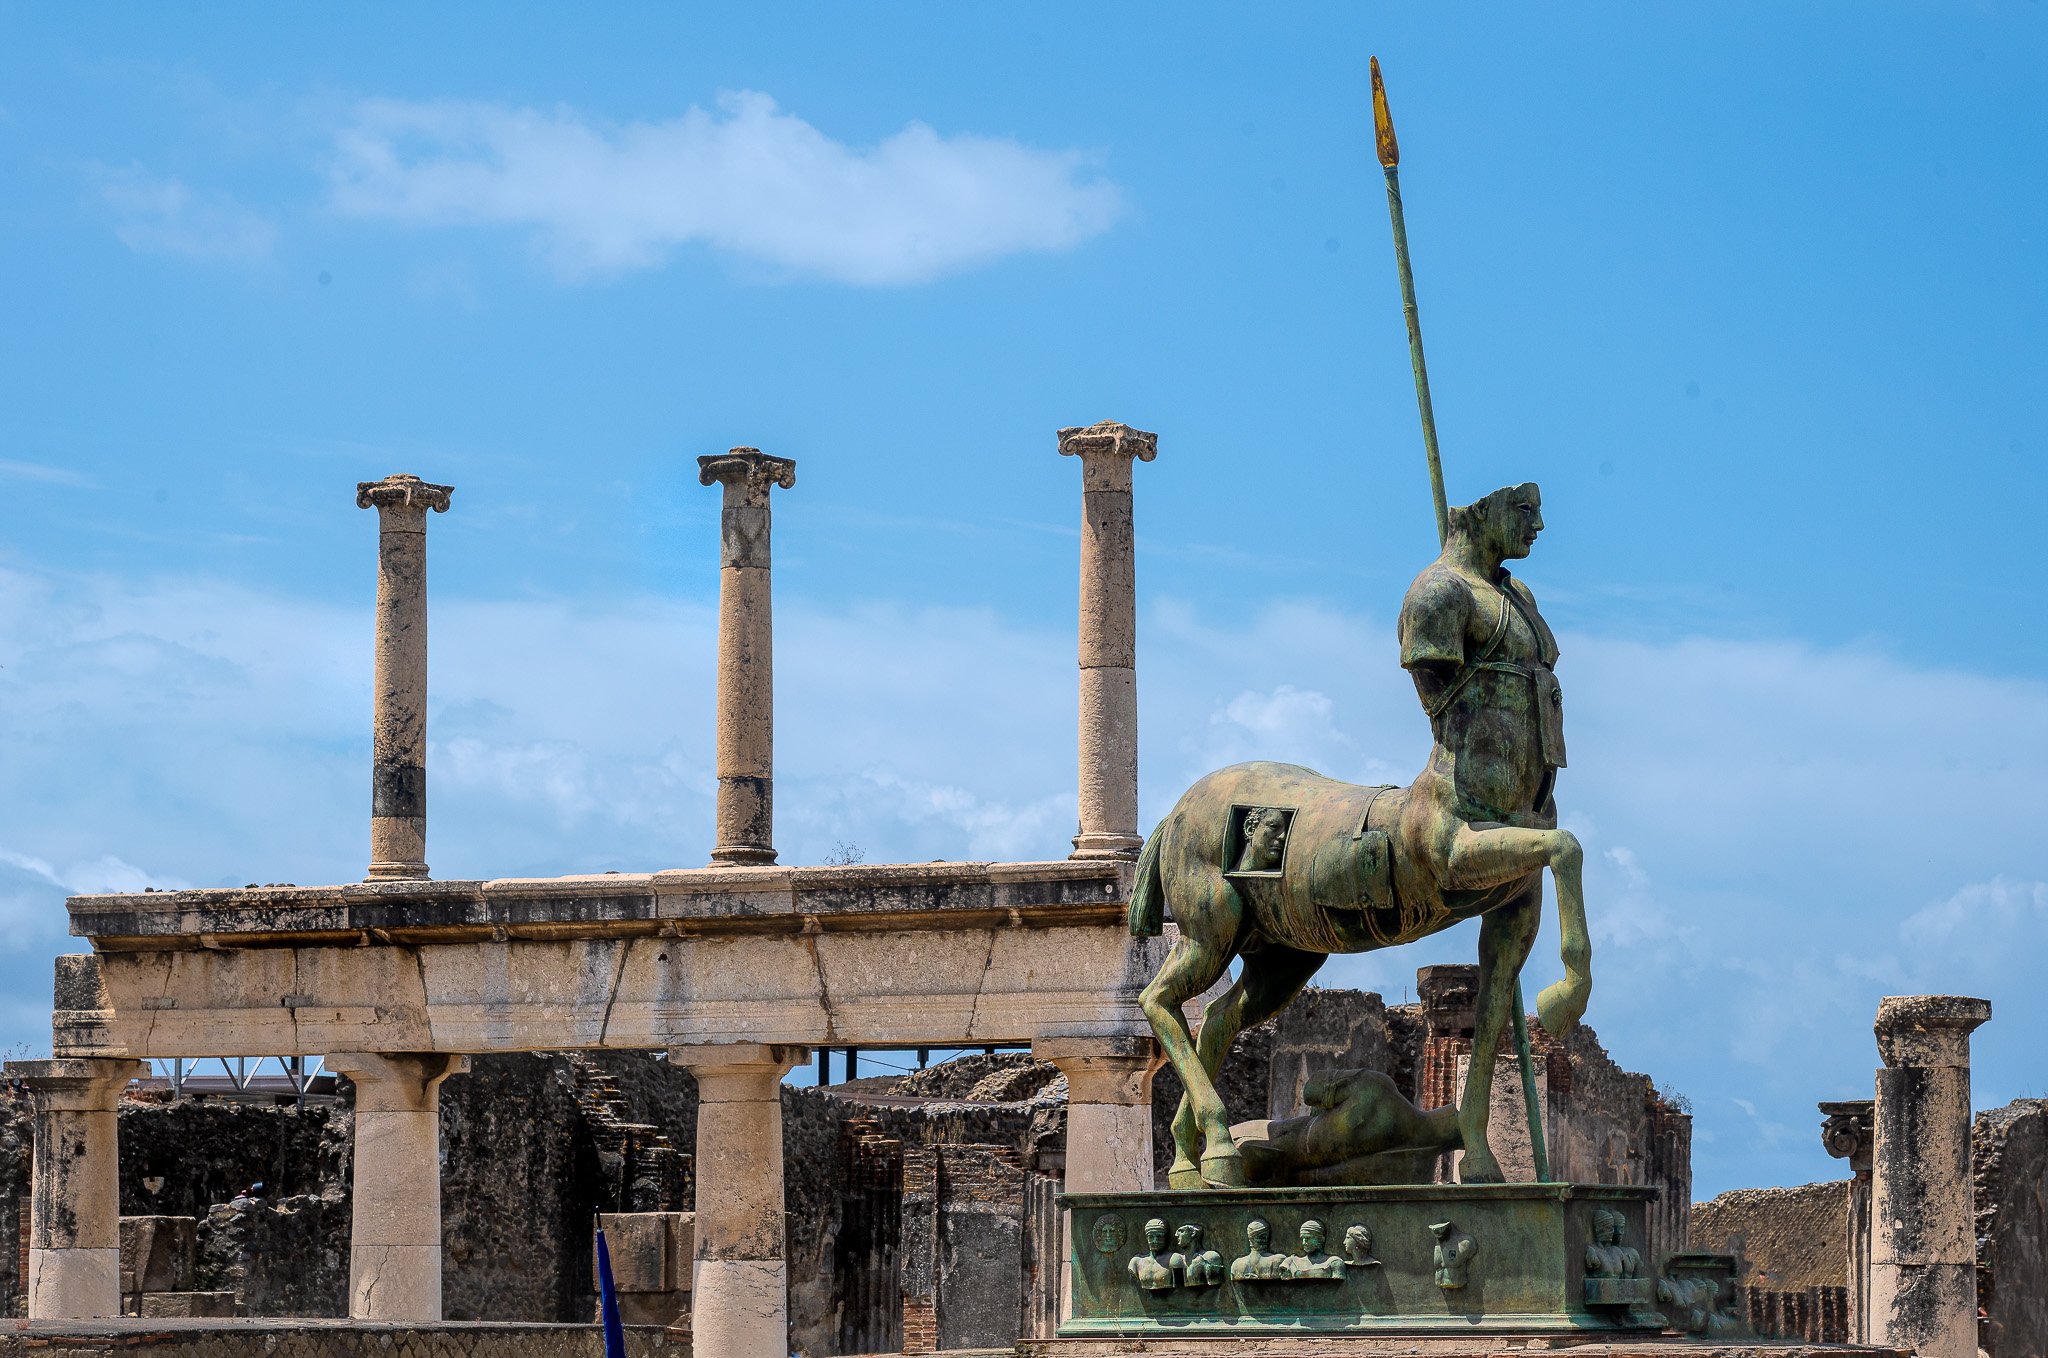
[2009, 1168]
[1784, 1239]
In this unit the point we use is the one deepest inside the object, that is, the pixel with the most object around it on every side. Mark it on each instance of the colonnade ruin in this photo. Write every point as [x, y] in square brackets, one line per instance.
[739, 970]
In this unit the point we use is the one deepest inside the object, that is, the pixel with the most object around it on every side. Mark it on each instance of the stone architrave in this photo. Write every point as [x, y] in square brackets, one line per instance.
[746, 653]
[74, 1232]
[398, 770]
[394, 1262]
[739, 1304]
[1109, 637]
[1847, 1134]
[1923, 1254]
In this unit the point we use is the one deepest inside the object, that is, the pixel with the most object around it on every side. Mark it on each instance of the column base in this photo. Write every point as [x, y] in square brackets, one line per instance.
[395, 1282]
[74, 1284]
[381, 872]
[742, 856]
[1107, 846]
[739, 1308]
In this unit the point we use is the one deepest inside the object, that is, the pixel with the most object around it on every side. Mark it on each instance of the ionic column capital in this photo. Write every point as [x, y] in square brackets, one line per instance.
[1111, 1068]
[1928, 1030]
[78, 1084]
[727, 1070]
[396, 1082]
[403, 491]
[1848, 1131]
[1107, 451]
[746, 473]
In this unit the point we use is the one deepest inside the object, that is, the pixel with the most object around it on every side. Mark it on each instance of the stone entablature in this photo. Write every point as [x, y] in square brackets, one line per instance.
[866, 955]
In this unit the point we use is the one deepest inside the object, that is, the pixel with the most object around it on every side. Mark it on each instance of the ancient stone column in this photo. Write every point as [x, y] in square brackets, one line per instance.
[1923, 1254]
[739, 1297]
[394, 1257]
[1109, 637]
[1846, 1133]
[1109, 1109]
[398, 741]
[74, 1215]
[746, 646]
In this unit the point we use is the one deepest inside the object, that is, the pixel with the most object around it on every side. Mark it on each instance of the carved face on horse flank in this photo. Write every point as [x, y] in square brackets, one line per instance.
[1265, 839]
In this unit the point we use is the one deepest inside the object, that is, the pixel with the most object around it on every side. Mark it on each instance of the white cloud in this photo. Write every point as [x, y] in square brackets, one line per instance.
[1994, 908]
[53, 476]
[745, 179]
[162, 215]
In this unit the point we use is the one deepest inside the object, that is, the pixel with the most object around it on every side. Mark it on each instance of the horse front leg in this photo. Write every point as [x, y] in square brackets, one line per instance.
[1563, 1003]
[1200, 1125]
[1272, 976]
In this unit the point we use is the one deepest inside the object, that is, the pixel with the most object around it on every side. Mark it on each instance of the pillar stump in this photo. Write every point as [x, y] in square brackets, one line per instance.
[1109, 1120]
[1923, 1255]
[398, 768]
[394, 1256]
[74, 1215]
[746, 653]
[1109, 637]
[739, 1306]
[1846, 1133]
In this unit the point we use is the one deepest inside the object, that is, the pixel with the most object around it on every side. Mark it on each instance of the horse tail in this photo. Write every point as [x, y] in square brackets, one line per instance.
[1147, 913]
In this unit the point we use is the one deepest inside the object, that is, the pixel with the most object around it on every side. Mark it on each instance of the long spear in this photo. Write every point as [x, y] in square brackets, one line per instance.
[1390, 161]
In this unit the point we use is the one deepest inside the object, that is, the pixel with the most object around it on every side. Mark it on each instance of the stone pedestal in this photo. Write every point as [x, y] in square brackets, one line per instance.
[394, 1260]
[1109, 1109]
[739, 1299]
[398, 770]
[1460, 1260]
[1109, 637]
[74, 1232]
[746, 653]
[1923, 1255]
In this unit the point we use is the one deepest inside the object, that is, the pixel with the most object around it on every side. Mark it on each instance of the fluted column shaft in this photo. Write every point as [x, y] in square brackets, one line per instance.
[746, 653]
[394, 1256]
[1109, 638]
[398, 741]
[1923, 1253]
[74, 1215]
[739, 1305]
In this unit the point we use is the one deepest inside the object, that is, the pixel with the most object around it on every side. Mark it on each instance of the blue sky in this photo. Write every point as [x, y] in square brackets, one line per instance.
[1755, 293]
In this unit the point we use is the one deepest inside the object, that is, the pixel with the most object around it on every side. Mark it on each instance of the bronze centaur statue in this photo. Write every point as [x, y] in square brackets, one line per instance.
[1281, 866]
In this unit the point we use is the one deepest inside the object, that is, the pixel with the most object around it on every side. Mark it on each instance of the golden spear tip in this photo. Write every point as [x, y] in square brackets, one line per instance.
[1383, 121]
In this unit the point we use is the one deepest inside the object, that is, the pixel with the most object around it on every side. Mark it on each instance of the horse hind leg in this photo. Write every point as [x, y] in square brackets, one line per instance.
[1272, 976]
[1199, 957]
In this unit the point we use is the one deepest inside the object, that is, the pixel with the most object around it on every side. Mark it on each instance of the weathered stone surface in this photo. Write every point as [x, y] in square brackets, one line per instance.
[180, 1338]
[2009, 1170]
[1786, 1239]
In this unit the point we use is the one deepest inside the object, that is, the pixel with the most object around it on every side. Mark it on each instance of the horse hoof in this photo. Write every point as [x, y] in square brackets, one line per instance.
[1223, 1171]
[1183, 1174]
[1477, 1170]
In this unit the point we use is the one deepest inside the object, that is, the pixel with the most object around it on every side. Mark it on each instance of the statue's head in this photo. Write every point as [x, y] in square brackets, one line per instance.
[1311, 1237]
[1440, 1229]
[1188, 1237]
[1357, 1241]
[1607, 1226]
[1258, 1235]
[1155, 1235]
[1265, 839]
[1503, 524]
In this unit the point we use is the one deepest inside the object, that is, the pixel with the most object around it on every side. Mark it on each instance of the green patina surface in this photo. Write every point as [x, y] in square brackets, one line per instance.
[1538, 1261]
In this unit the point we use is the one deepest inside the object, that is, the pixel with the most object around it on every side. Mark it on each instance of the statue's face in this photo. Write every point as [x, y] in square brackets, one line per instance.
[1518, 521]
[1358, 1238]
[1155, 1235]
[1265, 836]
[1258, 1235]
[1188, 1237]
[1311, 1238]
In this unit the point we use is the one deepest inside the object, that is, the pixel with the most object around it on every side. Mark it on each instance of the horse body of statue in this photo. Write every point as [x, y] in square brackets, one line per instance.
[1281, 866]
